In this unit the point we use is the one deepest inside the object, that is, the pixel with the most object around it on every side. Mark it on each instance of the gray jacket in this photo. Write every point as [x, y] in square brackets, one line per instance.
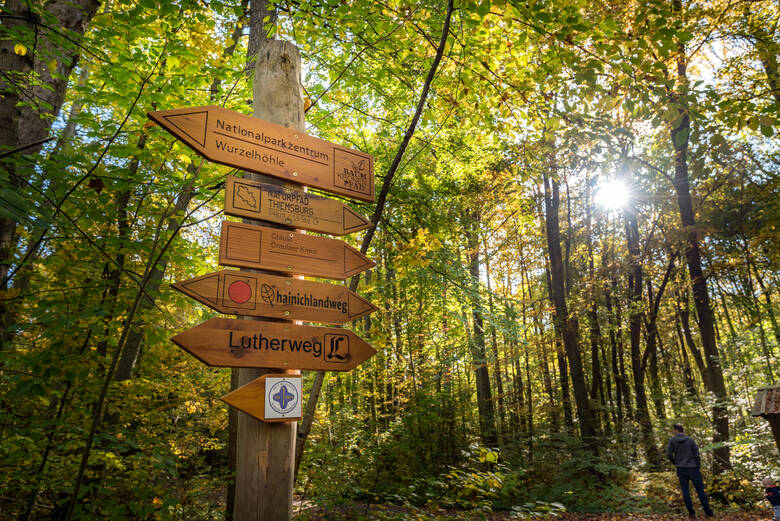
[683, 452]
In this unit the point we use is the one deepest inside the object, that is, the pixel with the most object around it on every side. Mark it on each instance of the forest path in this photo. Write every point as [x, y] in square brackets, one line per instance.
[373, 512]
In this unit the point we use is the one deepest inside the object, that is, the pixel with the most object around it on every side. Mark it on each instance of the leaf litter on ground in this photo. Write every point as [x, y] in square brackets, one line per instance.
[375, 512]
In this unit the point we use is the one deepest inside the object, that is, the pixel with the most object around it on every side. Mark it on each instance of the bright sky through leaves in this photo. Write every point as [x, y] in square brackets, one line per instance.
[612, 194]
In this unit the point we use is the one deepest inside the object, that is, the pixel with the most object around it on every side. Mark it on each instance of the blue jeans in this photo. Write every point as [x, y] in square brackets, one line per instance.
[686, 474]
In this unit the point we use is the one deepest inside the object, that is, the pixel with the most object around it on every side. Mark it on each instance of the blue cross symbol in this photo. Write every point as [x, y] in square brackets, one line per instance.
[283, 397]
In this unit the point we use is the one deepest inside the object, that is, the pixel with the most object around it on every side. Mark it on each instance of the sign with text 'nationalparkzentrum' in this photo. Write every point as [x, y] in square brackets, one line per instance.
[226, 342]
[254, 200]
[247, 246]
[234, 139]
[263, 295]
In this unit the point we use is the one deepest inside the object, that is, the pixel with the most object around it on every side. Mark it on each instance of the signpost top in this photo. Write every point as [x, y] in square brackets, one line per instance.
[234, 139]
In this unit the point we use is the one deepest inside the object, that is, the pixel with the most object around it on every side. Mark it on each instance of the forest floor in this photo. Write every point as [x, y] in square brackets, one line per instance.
[373, 512]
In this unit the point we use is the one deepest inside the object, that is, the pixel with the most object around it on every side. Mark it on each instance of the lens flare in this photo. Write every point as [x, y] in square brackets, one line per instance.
[612, 194]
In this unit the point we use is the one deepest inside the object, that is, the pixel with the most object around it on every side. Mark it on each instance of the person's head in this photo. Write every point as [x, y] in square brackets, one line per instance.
[768, 482]
[678, 428]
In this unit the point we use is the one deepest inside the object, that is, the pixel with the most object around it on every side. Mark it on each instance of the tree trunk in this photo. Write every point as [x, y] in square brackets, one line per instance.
[27, 78]
[496, 357]
[31, 96]
[690, 386]
[680, 136]
[566, 326]
[637, 358]
[651, 334]
[597, 396]
[487, 421]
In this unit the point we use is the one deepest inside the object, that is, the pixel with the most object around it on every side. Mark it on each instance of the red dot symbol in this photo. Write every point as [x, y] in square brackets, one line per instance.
[239, 292]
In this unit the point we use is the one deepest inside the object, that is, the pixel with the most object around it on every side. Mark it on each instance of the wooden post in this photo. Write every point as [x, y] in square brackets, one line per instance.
[265, 451]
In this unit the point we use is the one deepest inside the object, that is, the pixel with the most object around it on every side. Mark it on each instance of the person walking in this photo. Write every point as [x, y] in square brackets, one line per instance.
[772, 495]
[684, 453]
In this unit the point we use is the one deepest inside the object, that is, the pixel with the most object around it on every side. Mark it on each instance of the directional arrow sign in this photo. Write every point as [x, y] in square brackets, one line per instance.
[226, 342]
[254, 200]
[248, 246]
[269, 398]
[248, 143]
[261, 295]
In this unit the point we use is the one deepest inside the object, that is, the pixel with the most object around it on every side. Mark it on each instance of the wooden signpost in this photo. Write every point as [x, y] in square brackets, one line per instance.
[249, 143]
[248, 246]
[270, 398]
[262, 295]
[264, 452]
[254, 200]
[226, 342]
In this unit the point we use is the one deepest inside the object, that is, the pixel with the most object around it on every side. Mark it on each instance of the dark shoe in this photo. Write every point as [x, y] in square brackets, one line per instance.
[692, 516]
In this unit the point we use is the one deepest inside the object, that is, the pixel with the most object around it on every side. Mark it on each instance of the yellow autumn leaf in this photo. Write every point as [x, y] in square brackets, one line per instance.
[20, 49]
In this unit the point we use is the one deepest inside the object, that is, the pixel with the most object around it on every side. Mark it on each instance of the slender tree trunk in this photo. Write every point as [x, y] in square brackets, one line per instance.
[563, 369]
[597, 397]
[680, 137]
[135, 339]
[501, 425]
[637, 358]
[684, 314]
[768, 351]
[487, 421]
[383, 192]
[616, 344]
[651, 333]
[690, 386]
[616, 350]
[768, 50]
[566, 325]
[726, 313]
[525, 289]
[754, 309]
